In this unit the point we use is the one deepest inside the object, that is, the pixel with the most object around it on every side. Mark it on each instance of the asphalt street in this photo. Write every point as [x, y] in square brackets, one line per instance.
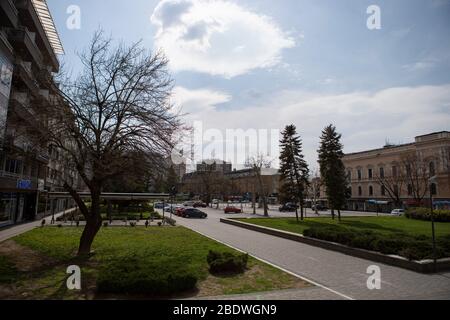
[334, 273]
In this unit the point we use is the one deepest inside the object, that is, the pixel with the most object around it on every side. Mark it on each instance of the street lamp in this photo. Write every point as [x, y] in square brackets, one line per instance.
[432, 181]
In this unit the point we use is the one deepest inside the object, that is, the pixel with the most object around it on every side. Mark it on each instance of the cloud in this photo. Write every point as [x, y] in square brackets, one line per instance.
[217, 37]
[193, 102]
[366, 119]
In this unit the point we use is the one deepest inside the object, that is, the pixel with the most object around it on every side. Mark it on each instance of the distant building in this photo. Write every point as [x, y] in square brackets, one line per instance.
[214, 165]
[368, 170]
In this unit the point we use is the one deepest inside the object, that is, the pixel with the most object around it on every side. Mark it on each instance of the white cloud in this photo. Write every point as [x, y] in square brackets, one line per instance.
[365, 119]
[217, 37]
[193, 102]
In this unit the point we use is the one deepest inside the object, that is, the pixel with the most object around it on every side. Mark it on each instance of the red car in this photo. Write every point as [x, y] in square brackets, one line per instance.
[232, 209]
[179, 211]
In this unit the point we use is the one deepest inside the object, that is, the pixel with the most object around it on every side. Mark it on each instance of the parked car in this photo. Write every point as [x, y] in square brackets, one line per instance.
[215, 201]
[158, 205]
[398, 212]
[179, 211]
[199, 204]
[194, 213]
[319, 208]
[232, 209]
[189, 203]
[288, 207]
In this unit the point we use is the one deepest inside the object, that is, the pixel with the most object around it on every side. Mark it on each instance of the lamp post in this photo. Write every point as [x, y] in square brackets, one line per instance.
[432, 181]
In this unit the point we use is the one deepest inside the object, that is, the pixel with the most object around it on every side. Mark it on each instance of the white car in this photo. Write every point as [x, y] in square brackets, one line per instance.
[189, 204]
[398, 212]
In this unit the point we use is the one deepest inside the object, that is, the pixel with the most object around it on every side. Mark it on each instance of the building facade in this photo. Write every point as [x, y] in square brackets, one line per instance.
[29, 46]
[401, 175]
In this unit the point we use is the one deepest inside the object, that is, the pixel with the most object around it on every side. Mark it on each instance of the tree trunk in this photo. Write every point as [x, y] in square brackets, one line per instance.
[93, 223]
[339, 215]
[296, 213]
[332, 213]
[91, 229]
[301, 212]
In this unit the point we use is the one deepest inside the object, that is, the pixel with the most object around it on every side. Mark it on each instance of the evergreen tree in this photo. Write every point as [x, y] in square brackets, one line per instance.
[294, 172]
[332, 169]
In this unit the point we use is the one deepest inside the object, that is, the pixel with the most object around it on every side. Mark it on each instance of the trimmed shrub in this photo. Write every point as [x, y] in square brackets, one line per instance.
[226, 262]
[425, 214]
[170, 221]
[410, 247]
[131, 276]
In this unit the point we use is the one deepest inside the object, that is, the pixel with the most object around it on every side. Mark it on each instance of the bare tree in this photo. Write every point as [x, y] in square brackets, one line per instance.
[116, 108]
[417, 176]
[392, 183]
[258, 164]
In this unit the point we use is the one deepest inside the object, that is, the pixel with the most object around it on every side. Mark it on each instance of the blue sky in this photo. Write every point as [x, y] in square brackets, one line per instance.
[265, 64]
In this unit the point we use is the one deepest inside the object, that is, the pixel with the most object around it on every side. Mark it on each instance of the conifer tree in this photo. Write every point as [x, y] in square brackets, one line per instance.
[294, 172]
[332, 169]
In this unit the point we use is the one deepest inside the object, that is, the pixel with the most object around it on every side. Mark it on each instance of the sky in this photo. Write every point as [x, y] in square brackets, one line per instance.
[264, 64]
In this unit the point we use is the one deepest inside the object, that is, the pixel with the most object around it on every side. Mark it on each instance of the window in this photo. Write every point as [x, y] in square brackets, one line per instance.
[381, 172]
[360, 191]
[394, 171]
[433, 189]
[383, 191]
[396, 190]
[13, 166]
[370, 191]
[370, 172]
[349, 175]
[359, 174]
[432, 169]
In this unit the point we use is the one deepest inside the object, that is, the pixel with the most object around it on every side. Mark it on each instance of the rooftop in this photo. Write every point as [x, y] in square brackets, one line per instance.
[49, 26]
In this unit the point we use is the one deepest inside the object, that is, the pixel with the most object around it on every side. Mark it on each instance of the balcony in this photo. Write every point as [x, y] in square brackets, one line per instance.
[21, 106]
[25, 74]
[24, 42]
[30, 18]
[9, 13]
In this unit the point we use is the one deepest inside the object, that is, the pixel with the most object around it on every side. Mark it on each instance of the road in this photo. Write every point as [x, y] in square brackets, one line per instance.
[341, 275]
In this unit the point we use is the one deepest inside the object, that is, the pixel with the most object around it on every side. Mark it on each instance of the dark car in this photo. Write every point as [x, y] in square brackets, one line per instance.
[288, 207]
[320, 207]
[199, 204]
[194, 213]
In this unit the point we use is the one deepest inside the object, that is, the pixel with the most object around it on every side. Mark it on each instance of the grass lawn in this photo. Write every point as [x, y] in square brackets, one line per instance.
[384, 225]
[37, 261]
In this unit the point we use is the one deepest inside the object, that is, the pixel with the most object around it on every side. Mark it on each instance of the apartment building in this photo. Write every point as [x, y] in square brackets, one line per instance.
[29, 45]
[377, 177]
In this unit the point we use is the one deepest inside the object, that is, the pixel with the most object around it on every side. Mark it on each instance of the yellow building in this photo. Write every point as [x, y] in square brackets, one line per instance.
[380, 177]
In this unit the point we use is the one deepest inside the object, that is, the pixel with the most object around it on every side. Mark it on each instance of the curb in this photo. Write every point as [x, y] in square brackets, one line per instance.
[424, 266]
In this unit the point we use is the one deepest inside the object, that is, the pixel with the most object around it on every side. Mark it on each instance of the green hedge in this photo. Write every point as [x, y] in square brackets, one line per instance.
[425, 214]
[226, 262]
[134, 277]
[410, 247]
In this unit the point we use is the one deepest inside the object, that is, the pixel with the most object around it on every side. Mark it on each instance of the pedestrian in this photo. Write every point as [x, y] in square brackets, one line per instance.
[146, 223]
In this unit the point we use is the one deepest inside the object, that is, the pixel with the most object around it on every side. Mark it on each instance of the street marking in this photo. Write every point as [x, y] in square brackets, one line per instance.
[278, 267]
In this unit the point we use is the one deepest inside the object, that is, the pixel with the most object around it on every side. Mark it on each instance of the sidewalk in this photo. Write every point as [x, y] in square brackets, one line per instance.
[10, 232]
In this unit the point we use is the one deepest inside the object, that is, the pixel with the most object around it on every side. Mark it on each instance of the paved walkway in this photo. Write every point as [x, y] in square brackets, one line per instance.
[339, 274]
[10, 232]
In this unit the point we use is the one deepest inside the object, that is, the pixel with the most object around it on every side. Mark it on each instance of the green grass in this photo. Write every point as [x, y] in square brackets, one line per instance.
[383, 225]
[8, 272]
[159, 249]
